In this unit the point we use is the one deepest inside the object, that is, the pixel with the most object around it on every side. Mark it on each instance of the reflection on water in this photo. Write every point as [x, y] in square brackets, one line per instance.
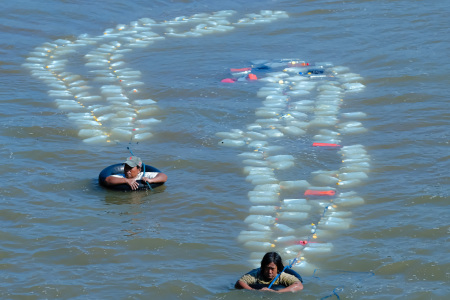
[131, 197]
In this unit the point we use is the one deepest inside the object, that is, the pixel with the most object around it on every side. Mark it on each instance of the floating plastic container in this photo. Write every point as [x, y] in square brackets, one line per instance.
[294, 184]
[259, 227]
[277, 158]
[271, 149]
[261, 219]
[294, 201]
[148, 111]
[282, 98]
[273, 133]
[354, 115]
[259, 193]
[353, 130]
[282, 165]
[297, 93]
[251, 155]
[353, 175]
[97, 140]
[292, 130]
[257, 144]
[330, 225]
[355, 167]
[293, 248]
[325, 179]
[283, 228]
[318, 248]
[261, 200]
[266, 113]
[231, 143]
[144, 102]
[323, 121]
[292, 216]
[305, 268]
[255, 162]
[286, 240]
[349, 183]
[257, 170]
[259, 246]
[143, 136]
[261, 236]
[293, 208]
[121, 134]
[268, 187]
[87, 133]
[262, 179]
[254, 178]
[263, 209]
[351, 85]
[255, 135]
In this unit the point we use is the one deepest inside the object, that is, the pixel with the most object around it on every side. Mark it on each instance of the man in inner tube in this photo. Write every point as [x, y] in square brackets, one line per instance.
[133, 172]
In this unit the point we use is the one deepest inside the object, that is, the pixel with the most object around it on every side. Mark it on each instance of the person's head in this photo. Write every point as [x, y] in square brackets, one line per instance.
[132, 166]
[271, 264]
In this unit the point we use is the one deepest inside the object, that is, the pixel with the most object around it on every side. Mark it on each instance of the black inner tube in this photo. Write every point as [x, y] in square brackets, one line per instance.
[118, 169]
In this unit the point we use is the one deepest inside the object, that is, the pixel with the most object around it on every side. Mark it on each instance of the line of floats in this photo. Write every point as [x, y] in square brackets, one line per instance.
[107, 101]
[301, 101]
[297, 215]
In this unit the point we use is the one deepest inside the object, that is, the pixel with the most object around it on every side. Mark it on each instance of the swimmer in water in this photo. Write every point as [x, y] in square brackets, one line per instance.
[271, 266]
[133, 172]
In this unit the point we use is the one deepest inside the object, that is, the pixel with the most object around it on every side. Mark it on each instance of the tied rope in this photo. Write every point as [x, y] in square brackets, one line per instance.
[143, 170]
[305, 243]
[313, 235]
[333, 294]
[289, 266]
[341, 288]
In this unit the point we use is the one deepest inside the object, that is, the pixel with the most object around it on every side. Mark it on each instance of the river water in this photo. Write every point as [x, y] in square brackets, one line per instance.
[65, 237]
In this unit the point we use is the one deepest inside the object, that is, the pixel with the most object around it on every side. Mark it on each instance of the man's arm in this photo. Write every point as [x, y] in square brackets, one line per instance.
[161, 177]
[295, 287]
[240, 284]
[113, 180]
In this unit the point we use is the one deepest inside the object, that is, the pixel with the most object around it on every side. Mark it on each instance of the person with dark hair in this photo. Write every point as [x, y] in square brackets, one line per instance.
[261, 278]
[133, 172]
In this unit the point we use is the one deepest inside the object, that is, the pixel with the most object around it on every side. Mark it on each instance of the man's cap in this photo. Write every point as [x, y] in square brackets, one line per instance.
[133, 161]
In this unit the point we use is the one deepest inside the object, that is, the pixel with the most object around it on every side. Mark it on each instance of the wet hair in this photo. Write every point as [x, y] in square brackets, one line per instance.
[272, 257]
